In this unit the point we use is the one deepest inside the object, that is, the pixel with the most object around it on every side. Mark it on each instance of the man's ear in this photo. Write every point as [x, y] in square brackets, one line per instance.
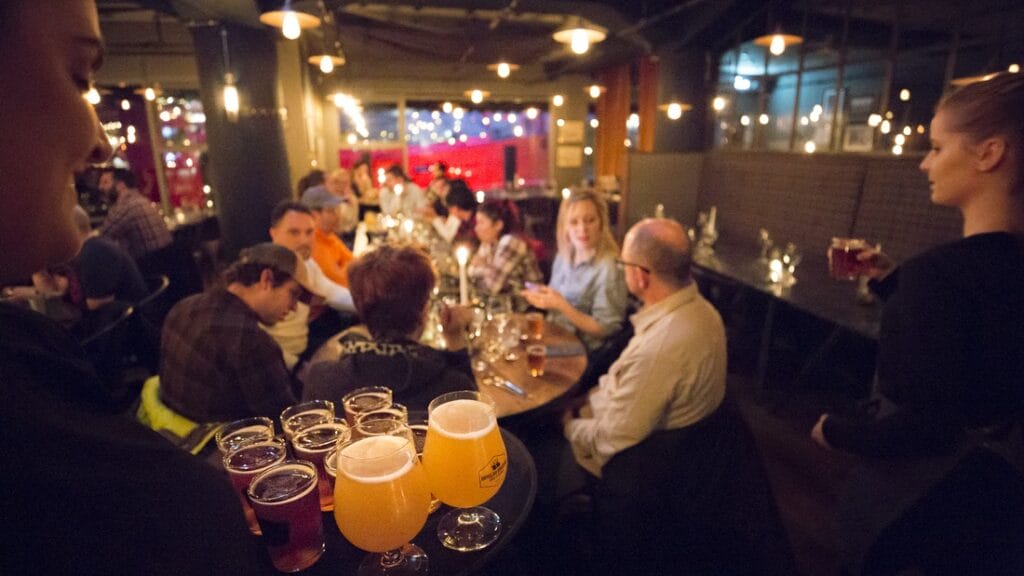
[990, 154]
[267, 278]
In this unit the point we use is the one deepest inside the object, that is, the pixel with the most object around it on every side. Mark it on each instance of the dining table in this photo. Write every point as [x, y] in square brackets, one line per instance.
[507, 380]
[512, 503]
[811, 291]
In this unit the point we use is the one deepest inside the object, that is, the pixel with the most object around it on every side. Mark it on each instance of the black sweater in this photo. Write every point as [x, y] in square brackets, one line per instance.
[951, 349]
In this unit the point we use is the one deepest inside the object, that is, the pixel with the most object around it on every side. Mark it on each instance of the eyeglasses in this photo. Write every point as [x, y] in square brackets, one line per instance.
[622, 265]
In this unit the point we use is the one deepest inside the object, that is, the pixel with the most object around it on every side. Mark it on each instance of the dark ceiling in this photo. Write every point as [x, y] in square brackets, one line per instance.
[455, 39]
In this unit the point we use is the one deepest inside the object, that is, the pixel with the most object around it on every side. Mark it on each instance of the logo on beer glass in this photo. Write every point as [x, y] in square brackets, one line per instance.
[493, 474]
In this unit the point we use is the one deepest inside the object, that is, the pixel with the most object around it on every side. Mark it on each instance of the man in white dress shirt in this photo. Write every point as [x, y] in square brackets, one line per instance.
[291, 226]
[672, 373]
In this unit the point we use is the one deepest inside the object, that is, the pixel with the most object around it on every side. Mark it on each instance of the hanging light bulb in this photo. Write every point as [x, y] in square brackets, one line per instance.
[93, 96]
[579, 35]
[531, 113]
[477, 96]
[778, 45]
[150, 94]
[595, 90]
[230, 96]
[327, 65]
[558, 100]
[125, 104]
[580, 43]
[290, 25]
[503, 70]
[674, 110]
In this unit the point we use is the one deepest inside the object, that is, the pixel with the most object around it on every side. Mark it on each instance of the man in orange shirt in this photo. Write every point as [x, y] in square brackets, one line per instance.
[329, 251]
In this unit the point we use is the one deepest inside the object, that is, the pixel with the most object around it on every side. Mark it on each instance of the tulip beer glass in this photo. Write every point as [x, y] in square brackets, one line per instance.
[466, 464]
[382, 498]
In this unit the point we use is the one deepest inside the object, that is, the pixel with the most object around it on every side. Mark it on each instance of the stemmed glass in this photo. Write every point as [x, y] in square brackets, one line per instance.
[382, 499]
[466, 464]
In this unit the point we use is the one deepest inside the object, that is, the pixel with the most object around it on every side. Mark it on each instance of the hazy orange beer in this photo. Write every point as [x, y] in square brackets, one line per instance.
[464, 453]
[381, 493]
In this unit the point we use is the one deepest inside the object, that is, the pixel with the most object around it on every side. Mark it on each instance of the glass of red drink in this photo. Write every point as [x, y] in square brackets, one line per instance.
[286, 503]
[245, 463]
[313, 444]
[843, 258]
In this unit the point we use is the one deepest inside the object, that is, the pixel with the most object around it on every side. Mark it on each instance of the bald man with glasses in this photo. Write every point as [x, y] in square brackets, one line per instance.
[672, 372]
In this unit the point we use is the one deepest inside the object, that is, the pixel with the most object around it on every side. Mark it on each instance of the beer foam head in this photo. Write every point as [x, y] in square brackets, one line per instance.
[376, 459]
[463, 419]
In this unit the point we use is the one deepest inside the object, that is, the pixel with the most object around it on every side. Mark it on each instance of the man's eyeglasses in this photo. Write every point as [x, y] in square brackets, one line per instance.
[622, 265]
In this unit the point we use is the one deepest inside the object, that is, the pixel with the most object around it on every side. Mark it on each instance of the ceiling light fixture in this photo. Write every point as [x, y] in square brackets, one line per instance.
[291, 22]
[579, 35]
[329, 58]
[674, 110]
[477, 96]
[595, 90]
[230, 94]
[778, 42]
[504, 69]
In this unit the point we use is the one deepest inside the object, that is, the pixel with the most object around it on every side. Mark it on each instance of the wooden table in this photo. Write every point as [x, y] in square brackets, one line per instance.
[561, 373]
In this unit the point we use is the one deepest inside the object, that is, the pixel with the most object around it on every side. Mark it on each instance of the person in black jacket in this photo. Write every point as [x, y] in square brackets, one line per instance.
[83, 489]
[391, 288]
[950, 362]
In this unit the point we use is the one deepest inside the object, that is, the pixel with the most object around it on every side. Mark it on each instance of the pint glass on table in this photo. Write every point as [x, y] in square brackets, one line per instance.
[286, 503]
[245, 463]
[306, 414]
[234, 435]
[363, 400]
[466, 465]
[313, 444]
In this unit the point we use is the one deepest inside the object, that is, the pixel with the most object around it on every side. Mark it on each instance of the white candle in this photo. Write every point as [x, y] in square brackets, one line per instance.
[462, 254]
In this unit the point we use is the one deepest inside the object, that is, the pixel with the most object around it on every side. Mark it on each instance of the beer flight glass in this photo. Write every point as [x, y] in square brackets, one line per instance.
[285, 500]
[466, 463]
[381, 497]
[305, 414]
[313, 444]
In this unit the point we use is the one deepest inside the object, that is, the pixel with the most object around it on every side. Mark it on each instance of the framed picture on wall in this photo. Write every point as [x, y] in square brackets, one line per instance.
[858, 138]
[828, 103]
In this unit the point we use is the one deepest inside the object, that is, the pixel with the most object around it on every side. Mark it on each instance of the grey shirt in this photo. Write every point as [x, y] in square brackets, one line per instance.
[596, 288]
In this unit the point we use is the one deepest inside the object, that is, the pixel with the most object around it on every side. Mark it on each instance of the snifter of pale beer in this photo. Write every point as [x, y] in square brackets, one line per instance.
[464, 453]
[381, 495]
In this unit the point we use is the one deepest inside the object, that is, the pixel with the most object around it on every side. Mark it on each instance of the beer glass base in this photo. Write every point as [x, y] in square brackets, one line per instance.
[405, 561]
[469, 529]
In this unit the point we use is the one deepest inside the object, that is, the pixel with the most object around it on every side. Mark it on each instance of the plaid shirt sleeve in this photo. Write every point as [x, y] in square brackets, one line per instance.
[512, 263]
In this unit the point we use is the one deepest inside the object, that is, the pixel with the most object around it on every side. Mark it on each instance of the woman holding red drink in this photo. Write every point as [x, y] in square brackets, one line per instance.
[938, 492]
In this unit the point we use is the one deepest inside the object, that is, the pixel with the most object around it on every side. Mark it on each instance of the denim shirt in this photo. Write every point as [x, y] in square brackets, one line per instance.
[596, 288]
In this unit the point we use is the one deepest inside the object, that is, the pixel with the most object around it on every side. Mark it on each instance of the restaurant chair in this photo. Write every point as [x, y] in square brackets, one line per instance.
[107, 336]
[176, 262]
[694, 500]
[152, 413]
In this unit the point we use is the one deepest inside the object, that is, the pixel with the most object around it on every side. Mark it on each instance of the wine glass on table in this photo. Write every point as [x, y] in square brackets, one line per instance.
[466, 464]
[381, 498]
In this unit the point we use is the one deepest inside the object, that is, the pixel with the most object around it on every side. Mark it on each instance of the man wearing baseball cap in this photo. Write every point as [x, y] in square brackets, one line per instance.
[216, 363]
[329, 252]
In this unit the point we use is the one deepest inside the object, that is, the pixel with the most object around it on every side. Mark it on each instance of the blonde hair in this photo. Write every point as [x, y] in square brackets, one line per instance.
[994, 107]
[605, 241]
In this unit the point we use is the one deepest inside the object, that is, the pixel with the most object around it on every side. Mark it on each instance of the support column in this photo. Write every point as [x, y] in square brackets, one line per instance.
[683, 77]
[248, 164]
